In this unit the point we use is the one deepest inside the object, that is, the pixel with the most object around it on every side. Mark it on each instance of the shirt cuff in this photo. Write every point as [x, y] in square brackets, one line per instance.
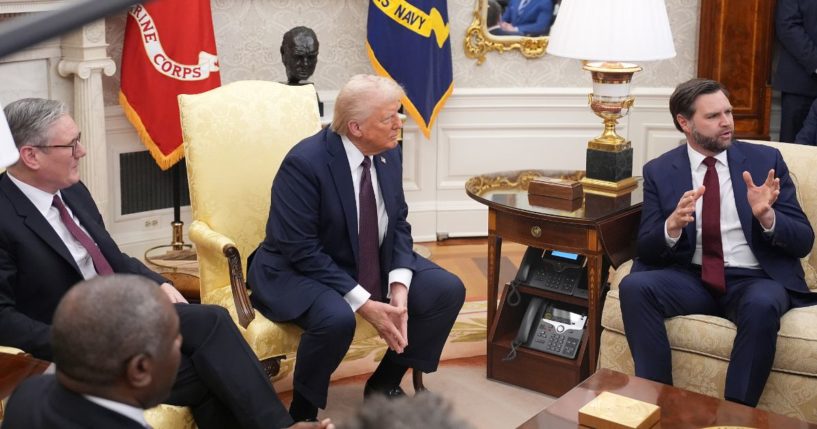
[769, 232]
[400, 275]
[357, 297]
[669, 240]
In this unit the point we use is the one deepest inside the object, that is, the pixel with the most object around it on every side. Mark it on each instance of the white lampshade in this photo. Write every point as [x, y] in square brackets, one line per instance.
[8, 150]
[612, 30]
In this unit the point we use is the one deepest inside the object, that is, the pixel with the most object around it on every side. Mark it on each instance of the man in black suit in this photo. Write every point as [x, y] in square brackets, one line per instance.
[116, 344]
[796, 74]
[52, 236]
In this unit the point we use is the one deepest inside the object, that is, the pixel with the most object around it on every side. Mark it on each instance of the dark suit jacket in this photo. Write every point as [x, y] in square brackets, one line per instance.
[36, 269]
[796, 29]
[808, 134]
[667, 177]
[534, 19]
[311, 243]
[42, 403]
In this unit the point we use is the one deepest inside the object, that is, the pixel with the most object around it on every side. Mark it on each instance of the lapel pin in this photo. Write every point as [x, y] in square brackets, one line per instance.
[383, 160]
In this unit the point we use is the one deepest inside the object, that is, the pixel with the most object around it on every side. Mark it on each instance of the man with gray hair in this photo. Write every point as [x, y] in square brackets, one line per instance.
[116, 344]
[52, 236]
[338, 243]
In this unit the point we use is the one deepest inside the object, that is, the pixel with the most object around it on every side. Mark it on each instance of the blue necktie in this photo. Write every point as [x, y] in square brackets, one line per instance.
[368, 267]
[522, 4]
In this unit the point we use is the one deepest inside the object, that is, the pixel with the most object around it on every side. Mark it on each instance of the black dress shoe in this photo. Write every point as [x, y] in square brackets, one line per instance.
[391, 393]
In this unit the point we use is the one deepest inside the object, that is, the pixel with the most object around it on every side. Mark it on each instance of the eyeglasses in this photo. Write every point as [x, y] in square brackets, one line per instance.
[73, 145]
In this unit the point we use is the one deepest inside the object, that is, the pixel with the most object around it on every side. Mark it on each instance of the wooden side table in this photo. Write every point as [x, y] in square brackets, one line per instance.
[603, 229]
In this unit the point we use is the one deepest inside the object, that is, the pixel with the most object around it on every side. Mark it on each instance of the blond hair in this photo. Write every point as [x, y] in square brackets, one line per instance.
[360, 96]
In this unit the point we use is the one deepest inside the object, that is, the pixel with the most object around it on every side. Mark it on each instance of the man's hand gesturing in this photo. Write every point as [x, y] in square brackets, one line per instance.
[762, 197]
[684, 212]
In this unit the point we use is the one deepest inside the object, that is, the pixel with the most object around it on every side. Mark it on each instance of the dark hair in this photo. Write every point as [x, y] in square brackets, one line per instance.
[102, 322]
[492, 16]
[682, 100]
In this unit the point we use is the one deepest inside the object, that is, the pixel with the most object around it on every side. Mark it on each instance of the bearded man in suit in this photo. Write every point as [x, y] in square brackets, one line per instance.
[711, 241]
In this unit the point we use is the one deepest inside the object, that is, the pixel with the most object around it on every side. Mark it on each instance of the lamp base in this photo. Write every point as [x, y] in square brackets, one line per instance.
[611, 166]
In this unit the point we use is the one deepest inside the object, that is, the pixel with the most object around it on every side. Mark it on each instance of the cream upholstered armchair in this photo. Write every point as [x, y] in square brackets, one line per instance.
[701, 345]
[235, 138]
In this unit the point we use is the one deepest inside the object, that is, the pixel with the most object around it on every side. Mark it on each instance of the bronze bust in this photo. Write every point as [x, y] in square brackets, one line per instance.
[299, 52]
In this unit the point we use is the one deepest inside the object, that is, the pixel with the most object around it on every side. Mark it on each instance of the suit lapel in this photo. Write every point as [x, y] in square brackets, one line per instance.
[737, 165]
[342, 176]
[682, 182]
[386, 186]
[35, 221]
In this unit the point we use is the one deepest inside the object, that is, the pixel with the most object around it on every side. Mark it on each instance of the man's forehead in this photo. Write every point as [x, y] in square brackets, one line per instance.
[711, 103]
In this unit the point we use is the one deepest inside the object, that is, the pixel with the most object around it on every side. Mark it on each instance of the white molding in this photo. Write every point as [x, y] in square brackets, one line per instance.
[28, 6]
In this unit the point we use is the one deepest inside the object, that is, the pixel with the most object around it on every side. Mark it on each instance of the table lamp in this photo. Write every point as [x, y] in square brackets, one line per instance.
[8, 150]
[608, 35]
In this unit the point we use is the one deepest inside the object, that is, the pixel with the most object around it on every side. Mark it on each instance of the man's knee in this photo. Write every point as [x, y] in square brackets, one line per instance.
[632, 287]
[337, 324]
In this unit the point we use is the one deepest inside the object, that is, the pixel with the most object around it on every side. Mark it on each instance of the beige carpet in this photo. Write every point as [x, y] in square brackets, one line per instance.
[481, 402]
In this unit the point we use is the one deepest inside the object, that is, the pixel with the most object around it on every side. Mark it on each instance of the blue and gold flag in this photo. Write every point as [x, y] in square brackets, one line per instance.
[408, 41]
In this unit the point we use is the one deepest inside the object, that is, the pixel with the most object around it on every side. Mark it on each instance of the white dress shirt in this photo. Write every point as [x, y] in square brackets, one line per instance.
[126, 410]
[736, 250]
[43, 201]
[359, 295]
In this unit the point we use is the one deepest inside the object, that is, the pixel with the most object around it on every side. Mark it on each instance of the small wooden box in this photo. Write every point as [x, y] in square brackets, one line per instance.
[562, 189]
[555, 203]
[611, 411]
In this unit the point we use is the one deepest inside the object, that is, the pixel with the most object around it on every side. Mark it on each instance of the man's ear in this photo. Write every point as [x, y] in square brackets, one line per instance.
[139, 370]
[354, 129]
[29, 157]
[683, 122]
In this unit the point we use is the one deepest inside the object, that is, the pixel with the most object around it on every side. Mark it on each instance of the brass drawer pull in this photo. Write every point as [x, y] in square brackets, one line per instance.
[536, 231]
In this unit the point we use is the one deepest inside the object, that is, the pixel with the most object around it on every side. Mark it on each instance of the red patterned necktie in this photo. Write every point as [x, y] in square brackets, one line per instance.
[712, 270]
[103, 268]
[368, 237]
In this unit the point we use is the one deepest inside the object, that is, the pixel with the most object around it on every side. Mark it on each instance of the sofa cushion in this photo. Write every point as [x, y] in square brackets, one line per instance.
[713, 336]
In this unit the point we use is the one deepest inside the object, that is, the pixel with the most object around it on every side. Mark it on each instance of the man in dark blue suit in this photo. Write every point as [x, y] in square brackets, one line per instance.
[712, 242]
[528, 17]
[338, 242]
[808, 134]
[796, 74]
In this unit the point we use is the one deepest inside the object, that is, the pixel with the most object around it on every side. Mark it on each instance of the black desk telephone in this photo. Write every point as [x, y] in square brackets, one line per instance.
[549, 329]
[554, 271]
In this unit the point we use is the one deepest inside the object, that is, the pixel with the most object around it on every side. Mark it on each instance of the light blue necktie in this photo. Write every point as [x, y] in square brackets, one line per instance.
[522, 4]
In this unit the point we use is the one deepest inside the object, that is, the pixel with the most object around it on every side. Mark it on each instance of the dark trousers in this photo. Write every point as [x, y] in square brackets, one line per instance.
[220, 377]
[434, 301]
[753, 302]
[793, 111]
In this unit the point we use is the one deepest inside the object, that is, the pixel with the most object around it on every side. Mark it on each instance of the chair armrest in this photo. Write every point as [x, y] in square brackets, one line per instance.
[619, 274]
[208, 240]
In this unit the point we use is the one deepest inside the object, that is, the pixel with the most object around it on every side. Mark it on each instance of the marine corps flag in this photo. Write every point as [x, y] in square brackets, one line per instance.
[407, 40]
[169, 49]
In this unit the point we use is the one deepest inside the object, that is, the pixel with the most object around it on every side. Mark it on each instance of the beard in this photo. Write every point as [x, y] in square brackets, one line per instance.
[711, 143]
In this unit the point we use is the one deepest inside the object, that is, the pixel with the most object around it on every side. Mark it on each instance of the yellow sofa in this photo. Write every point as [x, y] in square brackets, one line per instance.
[701, 345]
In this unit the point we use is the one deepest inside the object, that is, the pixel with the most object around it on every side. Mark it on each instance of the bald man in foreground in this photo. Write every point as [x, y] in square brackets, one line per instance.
[116, 345]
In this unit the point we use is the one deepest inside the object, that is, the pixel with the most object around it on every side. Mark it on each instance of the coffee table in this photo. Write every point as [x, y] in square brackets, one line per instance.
[679, 408]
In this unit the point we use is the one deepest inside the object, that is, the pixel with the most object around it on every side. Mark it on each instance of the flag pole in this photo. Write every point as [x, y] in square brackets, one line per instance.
[179, 250]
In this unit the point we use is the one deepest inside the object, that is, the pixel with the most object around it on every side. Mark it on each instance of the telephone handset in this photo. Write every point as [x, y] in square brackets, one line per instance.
[550, 329]
[554, 271]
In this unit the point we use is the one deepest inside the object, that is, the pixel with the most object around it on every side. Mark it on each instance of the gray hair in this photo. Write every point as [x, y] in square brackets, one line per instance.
[424, 410]
[359, 96]
[102, 323]
[31, 118]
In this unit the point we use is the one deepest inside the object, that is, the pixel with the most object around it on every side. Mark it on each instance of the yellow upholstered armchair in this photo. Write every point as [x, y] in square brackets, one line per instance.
[235, 138]
[701, 345]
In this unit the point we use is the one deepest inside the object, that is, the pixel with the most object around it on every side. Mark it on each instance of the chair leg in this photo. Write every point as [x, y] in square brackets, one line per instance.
[272, 366]
[417, 379]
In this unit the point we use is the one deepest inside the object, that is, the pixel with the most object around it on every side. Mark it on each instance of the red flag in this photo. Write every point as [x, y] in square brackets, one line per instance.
[169, 49]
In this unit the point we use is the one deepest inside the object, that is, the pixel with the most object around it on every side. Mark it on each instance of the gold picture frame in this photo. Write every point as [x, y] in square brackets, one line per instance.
[478, 41]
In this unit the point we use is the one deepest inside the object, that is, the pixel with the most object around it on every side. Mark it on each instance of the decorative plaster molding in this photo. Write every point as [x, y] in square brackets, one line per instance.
[27, 6]
[83, 69]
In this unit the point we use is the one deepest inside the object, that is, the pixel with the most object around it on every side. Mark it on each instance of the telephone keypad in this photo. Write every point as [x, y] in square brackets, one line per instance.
[550, 339]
